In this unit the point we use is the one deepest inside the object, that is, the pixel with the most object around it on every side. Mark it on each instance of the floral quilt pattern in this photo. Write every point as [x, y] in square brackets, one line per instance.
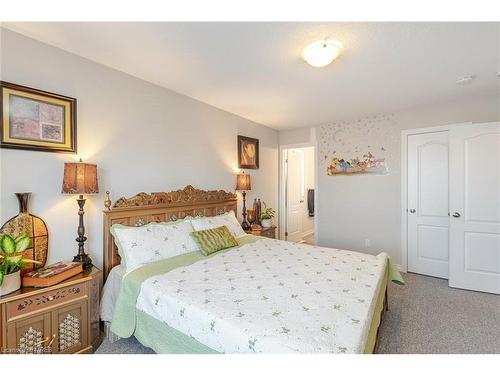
[271, 296]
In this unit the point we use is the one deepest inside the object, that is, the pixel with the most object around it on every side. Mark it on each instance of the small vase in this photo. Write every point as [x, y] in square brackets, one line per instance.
[266, 223]
[11, 283]
[259, 211]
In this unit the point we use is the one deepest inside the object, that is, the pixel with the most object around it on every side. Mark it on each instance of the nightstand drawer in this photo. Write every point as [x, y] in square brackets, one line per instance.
[268, 233]
[43, 300]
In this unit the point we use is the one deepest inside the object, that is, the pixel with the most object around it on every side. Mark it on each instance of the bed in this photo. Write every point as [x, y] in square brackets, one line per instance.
[263, 296]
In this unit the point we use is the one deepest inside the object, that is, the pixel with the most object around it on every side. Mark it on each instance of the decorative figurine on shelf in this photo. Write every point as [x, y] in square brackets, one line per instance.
[80, 178]
[243, 184]
[107, 201]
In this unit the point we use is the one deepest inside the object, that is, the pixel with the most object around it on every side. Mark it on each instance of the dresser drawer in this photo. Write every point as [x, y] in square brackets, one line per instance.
[45, 299]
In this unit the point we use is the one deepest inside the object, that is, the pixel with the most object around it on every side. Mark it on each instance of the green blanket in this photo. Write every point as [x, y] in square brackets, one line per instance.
[124, 319]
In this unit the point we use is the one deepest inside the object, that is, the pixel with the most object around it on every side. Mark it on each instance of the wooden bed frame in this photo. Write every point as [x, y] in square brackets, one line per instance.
[144, 208]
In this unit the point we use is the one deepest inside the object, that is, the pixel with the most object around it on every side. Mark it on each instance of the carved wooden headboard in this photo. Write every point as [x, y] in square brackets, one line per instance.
[144, 208]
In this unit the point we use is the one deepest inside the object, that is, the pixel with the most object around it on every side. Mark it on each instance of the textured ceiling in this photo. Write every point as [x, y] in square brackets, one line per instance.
[255, 71]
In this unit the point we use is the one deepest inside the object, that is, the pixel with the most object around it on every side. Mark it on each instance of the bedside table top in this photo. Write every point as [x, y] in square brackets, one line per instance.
[257, 232]
[27, 291]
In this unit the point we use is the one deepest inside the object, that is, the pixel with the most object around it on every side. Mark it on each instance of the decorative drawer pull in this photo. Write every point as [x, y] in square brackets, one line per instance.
[52, 341]
[42, 342]
[50, 298]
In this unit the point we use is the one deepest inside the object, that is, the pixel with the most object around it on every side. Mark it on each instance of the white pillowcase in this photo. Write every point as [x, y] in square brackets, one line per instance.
[228, 219]
[153, 242]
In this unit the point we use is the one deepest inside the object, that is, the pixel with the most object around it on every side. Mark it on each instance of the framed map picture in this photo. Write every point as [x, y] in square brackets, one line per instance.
[36, 120]
[248, 152]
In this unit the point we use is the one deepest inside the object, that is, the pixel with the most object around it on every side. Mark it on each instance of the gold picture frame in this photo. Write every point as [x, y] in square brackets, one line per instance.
[36, 120]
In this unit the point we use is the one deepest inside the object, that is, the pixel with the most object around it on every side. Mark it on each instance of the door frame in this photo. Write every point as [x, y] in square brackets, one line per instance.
[404, 182]
[282, 187]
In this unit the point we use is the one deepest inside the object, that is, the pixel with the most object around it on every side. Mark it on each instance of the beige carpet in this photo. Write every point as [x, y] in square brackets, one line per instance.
[309, 239]
[425, 316]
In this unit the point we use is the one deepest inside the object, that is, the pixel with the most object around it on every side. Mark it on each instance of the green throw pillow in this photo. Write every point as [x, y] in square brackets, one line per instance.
[212, 240]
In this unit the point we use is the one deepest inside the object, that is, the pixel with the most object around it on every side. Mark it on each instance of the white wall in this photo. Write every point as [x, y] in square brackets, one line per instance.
[296, 136]
[143, 138]
[351, 209]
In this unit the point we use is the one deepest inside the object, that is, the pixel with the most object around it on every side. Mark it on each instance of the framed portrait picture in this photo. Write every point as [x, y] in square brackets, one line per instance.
[248, 153]
[36, 120]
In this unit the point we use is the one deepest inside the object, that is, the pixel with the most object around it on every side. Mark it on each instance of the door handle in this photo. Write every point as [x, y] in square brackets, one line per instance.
[412, 210]
[456, 214]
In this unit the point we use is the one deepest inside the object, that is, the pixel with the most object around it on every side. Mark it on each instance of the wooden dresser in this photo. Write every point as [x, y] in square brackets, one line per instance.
[63, 318]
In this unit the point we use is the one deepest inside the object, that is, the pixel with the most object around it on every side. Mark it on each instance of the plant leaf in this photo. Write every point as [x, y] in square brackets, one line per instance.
[14, 263]
[19, 238]
[22, 243]
[14, 259]
[25, 260]
[1, 278]
[8, 244]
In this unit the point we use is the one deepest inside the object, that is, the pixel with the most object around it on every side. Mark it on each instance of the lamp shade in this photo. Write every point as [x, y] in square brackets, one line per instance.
[243, 182]
[80, 178]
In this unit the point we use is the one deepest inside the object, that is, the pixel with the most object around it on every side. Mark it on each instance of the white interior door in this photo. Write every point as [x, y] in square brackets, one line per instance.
[427, 207]
[475, 207]
[294, 195]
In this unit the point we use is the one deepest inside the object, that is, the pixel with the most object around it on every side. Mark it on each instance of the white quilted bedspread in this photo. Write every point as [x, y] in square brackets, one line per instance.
[271, 296]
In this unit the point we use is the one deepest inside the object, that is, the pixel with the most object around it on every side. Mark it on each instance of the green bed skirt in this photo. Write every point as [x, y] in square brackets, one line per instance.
[164, 339]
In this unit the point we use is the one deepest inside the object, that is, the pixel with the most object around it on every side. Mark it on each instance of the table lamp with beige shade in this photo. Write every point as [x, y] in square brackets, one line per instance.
[80, 178]
[243, 184]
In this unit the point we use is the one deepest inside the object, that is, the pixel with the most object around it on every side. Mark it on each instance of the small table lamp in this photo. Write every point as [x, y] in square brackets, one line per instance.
[243, 184]
[80, 178]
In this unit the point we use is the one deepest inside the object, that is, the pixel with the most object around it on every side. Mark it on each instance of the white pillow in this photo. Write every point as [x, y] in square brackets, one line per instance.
[228, 219]
[153, 242]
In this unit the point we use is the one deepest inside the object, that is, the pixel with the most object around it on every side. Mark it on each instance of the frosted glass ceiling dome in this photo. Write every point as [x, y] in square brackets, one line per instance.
[321, 53]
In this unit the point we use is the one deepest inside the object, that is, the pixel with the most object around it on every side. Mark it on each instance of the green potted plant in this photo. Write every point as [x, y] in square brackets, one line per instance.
[266, 216]
[12, 262]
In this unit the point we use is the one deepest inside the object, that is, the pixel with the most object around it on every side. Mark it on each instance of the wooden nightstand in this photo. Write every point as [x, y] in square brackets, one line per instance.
[63, 318]
[264, 232]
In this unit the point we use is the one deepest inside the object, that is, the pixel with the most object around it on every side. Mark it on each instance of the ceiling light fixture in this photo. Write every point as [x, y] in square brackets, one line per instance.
[321, 53]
